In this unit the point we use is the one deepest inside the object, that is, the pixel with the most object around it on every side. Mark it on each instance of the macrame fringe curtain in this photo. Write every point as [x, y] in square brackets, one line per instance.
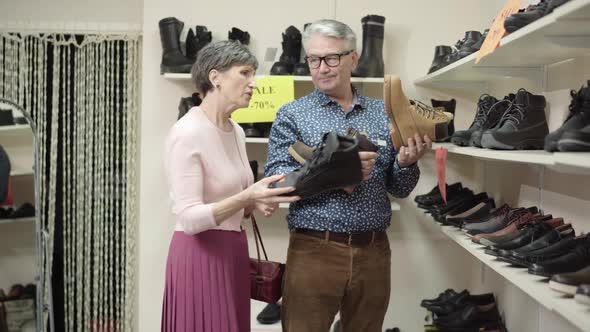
[82, 92]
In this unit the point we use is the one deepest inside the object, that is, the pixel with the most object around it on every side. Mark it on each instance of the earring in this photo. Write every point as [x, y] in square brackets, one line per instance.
[217, 85]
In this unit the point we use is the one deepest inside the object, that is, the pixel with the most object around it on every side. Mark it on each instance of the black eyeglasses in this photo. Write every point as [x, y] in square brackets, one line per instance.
[331, 60]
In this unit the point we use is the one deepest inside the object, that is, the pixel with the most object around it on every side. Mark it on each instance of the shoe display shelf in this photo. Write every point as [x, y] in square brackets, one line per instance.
[174, 76]
[15, 128]
[563, 162]
[559, 36]
[18, 220]
[535, 286]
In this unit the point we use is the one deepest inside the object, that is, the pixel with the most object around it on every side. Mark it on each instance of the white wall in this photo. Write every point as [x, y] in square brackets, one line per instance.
[420, 267]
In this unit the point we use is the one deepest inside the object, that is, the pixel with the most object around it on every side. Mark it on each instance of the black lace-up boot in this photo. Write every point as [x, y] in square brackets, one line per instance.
[522, 127]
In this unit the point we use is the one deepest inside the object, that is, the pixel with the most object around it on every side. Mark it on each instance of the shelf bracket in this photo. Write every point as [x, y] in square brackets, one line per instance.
[534, 73]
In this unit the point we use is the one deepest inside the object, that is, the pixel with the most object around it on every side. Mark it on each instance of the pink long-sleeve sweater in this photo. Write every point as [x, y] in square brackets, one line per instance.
[204, 165]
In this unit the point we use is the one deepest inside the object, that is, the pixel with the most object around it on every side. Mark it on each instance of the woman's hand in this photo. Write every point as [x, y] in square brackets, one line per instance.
[265, 199]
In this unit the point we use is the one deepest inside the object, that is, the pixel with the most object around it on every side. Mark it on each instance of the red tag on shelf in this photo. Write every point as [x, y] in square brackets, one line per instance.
[441, 171]
[497, 30]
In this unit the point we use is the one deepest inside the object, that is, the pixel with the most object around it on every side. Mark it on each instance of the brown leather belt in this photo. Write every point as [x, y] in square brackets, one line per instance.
[360, 239]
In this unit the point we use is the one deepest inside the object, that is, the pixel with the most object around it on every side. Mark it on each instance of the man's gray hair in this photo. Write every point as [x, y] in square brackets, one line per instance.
[329, 28]
[221, 56]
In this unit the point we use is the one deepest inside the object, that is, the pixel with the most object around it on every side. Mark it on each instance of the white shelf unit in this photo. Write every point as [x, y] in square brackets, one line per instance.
[14, 128]
[565, 162]
[259, 140]
[183, 76]
[535, 286]
[18, 220]
[562, 35]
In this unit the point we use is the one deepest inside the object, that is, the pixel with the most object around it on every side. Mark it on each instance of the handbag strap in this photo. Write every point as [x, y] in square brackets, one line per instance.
[257, 238]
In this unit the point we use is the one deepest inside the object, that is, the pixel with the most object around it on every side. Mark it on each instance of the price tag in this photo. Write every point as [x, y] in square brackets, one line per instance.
[441, 171]
[497, 30]
[270, 94]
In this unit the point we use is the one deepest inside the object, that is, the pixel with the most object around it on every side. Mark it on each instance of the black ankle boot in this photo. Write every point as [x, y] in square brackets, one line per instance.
[470, 42]
[371, 60]
[239, 35]
[186, 103]
[173, 61]
[291, 52]
[449, 106]
[195, 41]
[440, 52]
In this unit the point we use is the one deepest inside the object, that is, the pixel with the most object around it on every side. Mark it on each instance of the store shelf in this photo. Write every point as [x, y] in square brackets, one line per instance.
[255, 308]
[394, 206]
[14, 128]
[259, 140]
[535, 286]
[174, 76]
[537, 157]
[564, 162]
[19, 220]
[560, 36]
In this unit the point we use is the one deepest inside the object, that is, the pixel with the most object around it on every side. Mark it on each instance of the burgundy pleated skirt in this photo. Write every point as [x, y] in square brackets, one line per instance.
[207, 283]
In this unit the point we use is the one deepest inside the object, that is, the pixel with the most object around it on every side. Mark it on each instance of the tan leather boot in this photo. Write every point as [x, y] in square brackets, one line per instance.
[408, 117]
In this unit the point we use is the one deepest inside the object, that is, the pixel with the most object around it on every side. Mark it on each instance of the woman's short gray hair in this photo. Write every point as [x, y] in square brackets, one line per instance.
[330, 28]
[221, 56]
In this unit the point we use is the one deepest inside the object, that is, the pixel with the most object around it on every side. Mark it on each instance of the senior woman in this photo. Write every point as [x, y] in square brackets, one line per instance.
[211, 185]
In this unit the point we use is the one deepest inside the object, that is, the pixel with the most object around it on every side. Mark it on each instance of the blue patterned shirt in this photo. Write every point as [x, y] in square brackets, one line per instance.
[368, 207]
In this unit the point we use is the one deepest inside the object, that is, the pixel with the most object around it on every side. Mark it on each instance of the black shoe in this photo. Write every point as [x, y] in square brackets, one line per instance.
[491, 119]
[477, 45]
[448, 106]
[531, 14]
[195, 41]
[270, 314]
[523, 126]
[186, 103]
[254, 168]
[452, 202]
[578, 118]
[529, 233]
[301, 69]
[465, 205]
[575, 140]
[24, 211]
[471, 40]
[335, 164]
[583, 294]
[577, 259]
[480, 210]
[435, 198]
[471, 315]
[370, 63]
[555, 250]
[250, 130]
[485, 102]
[291, 52]
[173, 61]
[441, 52]
[239, 35]
[442, 297]
[568, 283]
[459, 301]
[552, 236]
[6, 118]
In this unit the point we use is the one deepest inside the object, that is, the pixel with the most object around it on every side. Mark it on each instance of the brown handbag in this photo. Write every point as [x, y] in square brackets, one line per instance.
[266, 277]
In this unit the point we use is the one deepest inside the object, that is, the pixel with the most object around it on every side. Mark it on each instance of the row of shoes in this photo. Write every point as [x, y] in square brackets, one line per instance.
[179, 55]
[26, 210]
[333, 164]
[518, 122]
[18, 292]
[444, 55]
[454, 311]
[473, 40]
[530, 14]
[10, 117]
[524, 237]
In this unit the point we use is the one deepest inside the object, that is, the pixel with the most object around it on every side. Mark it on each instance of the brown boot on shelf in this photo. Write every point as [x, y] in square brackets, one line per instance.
[409, 117]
